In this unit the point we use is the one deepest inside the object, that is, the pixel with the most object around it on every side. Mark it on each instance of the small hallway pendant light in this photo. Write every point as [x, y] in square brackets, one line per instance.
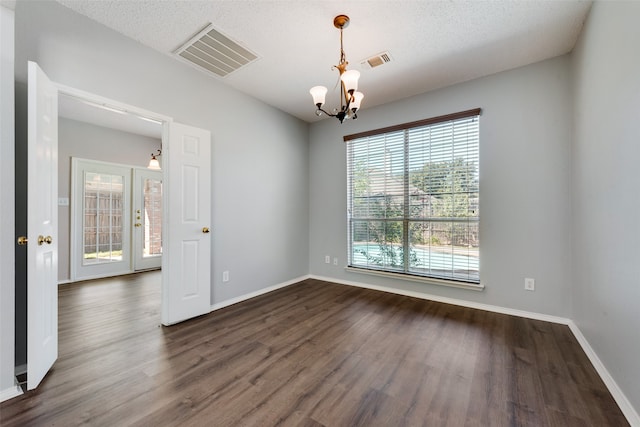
[154, 164]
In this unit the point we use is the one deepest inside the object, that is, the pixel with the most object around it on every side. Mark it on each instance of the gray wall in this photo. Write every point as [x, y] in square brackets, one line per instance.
[87, 141]
[606, 196]
[259, 176]
[525, 159]
[7, 231]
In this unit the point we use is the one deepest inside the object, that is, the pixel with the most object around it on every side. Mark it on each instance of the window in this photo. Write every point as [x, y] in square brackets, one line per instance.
[152, 208]
[413, 198]
[102, 226]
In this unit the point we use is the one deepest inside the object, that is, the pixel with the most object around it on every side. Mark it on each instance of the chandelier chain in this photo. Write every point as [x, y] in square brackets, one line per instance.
[343, 57]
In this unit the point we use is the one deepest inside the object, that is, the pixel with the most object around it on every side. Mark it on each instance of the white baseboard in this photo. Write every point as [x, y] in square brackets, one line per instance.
[10, 393]
[250, 295]
[625, 406]
[454, 301]
[627, 409]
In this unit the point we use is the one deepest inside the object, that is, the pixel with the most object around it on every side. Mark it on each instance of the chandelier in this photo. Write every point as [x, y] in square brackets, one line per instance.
[350, 99]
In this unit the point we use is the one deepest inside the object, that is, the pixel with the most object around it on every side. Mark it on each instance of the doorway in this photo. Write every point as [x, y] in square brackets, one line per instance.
[185, 277]
[111, 138]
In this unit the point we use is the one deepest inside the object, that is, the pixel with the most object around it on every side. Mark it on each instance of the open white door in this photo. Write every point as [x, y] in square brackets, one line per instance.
[42, 226]
[186, 260]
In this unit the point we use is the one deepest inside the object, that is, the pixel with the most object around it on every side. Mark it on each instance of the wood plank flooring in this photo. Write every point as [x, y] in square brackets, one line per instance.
[312, 354]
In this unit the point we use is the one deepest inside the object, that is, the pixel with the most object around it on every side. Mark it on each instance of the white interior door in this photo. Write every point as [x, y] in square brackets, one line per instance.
[186, 273]
[147, 219]
[42, 226]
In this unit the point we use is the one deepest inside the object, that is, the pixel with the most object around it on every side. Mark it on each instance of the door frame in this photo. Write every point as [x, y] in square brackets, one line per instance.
[169, 127]
[110, 104]
[163, 120]
[166, 160]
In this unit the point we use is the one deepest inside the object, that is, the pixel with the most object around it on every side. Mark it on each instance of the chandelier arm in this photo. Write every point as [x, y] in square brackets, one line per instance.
[328, 114]
[348, 97]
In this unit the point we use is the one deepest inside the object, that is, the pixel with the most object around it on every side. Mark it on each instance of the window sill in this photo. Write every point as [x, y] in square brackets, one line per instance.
[420, 279]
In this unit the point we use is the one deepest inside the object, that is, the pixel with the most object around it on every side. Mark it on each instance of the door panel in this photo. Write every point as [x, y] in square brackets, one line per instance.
[187, 256]
[42, 226]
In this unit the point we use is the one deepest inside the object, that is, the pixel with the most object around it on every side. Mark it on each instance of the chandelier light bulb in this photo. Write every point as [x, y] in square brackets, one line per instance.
[357, 99]
[154, 164]
[350, 80]
[318, 93]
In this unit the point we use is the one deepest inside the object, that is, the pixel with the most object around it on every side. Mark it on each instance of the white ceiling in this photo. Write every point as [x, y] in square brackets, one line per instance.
[433, 44]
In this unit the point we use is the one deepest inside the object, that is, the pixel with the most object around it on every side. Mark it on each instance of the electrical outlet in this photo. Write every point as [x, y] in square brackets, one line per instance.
[327, 259]
[335, 261]
[529, 284]
[225, 276]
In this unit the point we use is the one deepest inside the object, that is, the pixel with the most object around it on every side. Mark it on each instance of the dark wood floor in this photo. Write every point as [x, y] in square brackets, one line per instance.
[311, 354]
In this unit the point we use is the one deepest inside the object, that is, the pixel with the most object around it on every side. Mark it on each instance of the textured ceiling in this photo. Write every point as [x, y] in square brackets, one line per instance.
[433, 44]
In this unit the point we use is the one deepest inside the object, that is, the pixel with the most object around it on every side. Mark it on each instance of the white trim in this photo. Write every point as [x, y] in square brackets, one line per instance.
[620, 398]
[10, 393]
[259, 292]
[99, 276]
[64, 282]
[454, 301]
[420, 279]
[110, 103]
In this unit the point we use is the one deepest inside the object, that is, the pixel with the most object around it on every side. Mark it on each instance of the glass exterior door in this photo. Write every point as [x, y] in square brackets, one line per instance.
[101, 226]
[147, 219]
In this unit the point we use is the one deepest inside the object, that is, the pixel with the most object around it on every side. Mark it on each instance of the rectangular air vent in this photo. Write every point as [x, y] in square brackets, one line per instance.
[215, 53]
[376, 60]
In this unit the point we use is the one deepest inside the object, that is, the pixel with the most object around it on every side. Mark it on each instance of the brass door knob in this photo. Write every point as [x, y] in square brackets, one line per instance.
[137, 224]
[205, 230]
[22, 240]
[42, 240]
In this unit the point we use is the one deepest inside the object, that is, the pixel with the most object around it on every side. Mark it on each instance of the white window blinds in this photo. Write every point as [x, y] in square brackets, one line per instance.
[413, 198]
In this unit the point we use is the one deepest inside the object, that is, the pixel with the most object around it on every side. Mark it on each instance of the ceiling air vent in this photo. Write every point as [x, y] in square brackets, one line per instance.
[376, 60]
[215, 53]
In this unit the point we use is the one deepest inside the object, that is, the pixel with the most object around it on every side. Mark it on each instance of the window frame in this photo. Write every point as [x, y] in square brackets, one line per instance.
[406, 270]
